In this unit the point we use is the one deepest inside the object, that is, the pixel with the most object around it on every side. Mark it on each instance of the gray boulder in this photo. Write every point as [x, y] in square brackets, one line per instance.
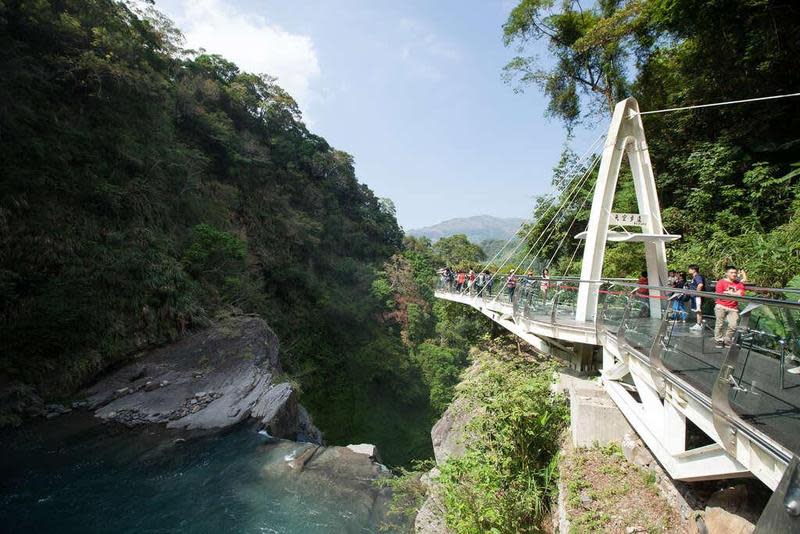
[337, 474]
[449, 436]
[449, 432]
[209, 380]
[430, 517]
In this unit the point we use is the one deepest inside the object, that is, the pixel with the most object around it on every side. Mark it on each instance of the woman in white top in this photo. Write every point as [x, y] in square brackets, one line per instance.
[545, 283]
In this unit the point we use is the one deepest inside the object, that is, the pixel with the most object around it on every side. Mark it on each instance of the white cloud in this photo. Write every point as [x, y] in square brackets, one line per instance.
[423, 51]
[252, 42]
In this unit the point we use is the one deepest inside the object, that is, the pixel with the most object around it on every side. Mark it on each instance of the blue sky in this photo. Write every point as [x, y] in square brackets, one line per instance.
[411, 89]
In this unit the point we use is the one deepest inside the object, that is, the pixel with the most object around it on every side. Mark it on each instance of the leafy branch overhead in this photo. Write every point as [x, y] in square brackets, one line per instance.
[589, 49]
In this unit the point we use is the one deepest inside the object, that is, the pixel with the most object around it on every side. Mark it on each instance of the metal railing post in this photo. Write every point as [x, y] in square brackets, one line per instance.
[554, 310]
[721, 408]
[656, 349]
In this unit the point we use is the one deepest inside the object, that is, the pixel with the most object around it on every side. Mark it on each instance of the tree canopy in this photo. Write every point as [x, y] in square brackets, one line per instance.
[727, 176]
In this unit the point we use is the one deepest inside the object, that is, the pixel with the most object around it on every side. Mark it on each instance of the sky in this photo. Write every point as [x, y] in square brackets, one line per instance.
[411, 89]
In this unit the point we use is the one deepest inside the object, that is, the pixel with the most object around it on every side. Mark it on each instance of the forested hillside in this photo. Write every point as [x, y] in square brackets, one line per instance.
[728, 177]
[147, 190]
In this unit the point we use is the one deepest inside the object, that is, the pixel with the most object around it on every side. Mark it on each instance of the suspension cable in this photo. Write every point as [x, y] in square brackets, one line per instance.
[574, 219]
[572, 259]
[727, 103]
[578, 183]
[542, 240]
[574, 168]
[567, 199]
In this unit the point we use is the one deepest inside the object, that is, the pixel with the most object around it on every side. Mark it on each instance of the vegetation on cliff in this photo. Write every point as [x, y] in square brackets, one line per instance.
[506, 479]
[498, 462]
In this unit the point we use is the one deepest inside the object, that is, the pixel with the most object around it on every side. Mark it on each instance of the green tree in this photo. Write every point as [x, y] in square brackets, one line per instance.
[588, 48]
[457, 250]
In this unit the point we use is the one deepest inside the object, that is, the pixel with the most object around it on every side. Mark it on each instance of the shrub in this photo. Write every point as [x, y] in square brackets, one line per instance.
[506, 480]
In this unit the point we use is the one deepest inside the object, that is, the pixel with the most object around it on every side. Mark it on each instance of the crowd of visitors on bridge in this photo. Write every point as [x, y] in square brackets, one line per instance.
[482, 282]
[681, 303]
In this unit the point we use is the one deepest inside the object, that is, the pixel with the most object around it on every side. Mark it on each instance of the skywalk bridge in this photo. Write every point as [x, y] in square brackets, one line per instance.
[704, 412]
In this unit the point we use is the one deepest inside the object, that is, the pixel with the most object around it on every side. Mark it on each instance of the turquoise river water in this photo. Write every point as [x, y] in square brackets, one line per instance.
[77, 476]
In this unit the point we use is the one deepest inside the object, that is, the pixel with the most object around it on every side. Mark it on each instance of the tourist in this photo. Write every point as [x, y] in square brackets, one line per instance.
[442, 277]
[489, 282]
[461, 278]
[471, 279]
[671, 279]
[697, 283]
[545, 283]
[643, 293]
[642, 281]
[511, 285]
[529, 276]
[679, 299]
[480, 281]
[727, 310]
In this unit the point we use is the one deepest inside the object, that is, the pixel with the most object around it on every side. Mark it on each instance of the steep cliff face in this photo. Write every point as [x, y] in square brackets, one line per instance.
[210, 380]
[449, 436]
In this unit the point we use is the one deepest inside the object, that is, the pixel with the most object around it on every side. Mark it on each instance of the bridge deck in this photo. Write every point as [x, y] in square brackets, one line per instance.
[766, 404]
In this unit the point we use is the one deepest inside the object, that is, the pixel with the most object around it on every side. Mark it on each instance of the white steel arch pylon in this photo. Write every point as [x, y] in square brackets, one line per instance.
[625, 137]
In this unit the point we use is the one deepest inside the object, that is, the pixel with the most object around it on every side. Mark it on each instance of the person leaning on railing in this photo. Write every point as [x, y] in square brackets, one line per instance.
[489, 282]
[697, 283]
[511, 285]
[727, 310]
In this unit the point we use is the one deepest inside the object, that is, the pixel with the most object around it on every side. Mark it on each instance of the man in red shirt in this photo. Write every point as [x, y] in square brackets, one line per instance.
[461, 279]
[727, 309]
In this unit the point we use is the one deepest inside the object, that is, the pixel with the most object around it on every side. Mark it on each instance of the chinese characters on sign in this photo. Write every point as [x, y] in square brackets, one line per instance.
[627, 219]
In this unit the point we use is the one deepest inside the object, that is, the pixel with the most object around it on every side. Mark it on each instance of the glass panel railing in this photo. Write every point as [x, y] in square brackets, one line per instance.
[506, 289]
[529, 299]
[487, 290]
[484, 287]
[761, 375]
[641, 325]
[691, 351]
[538, 307]
[616, 299]
[745, 358]
[564, 308]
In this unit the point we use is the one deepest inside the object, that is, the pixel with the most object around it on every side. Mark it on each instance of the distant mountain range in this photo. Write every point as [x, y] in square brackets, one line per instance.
[478, 228]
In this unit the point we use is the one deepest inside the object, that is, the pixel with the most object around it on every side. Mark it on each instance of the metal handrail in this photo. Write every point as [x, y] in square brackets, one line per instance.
[708, 294]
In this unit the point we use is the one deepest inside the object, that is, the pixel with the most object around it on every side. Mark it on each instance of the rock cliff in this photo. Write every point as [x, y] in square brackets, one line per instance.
[209, 380]
[449, 436]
